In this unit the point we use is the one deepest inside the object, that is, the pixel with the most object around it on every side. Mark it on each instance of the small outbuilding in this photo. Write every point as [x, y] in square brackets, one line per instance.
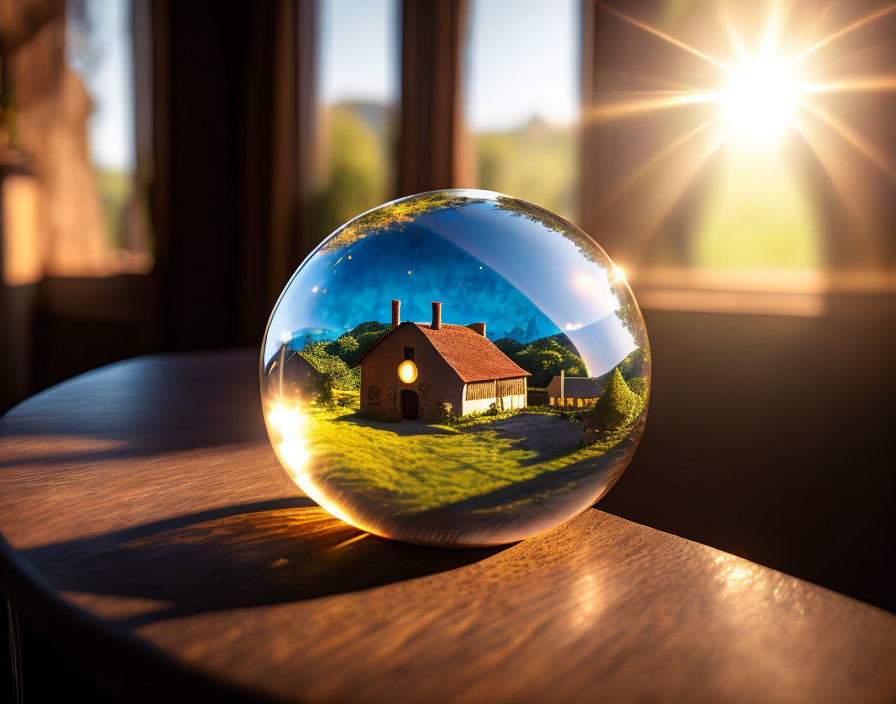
[416, 368]
[573, 391]
[295, 374]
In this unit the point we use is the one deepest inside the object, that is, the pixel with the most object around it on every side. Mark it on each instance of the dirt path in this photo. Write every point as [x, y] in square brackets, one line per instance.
[546, 435]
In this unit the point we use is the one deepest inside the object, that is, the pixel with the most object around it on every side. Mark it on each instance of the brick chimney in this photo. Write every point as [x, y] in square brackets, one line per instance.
[436, 315]
[396, 312]
[477, 328]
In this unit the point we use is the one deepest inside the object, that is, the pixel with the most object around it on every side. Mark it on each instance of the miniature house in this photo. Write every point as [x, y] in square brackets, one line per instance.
[573, 391]
[415, 367]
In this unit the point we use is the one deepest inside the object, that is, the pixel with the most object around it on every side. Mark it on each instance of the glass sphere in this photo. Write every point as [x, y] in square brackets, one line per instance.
[456, 368]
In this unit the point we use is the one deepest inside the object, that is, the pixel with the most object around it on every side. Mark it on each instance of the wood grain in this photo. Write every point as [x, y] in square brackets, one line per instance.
[151, 532]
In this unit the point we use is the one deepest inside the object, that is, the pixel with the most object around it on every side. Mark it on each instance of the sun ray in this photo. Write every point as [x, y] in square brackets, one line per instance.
[861, 144]
[665, 99]
[849, 193]
[862, 84]
[650, 163]
[733, 39]
[774, 24]
[674, 188]
[812, 26]
[877, 14]
[666, 37]
[664, 83]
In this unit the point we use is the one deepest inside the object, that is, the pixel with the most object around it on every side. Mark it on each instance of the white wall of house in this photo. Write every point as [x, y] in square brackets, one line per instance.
[479, 404]
[517, 401]
[482, 404]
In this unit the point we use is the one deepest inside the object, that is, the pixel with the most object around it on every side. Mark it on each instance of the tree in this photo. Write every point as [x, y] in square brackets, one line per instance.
[369, 326]
[551, 221]
[634, 365]
[366, 341]
[331, 368]
[545, 358]
[357, 169]
[548, 361]
[508, 346]
[628, 313]
[345, 347]
[396, 216]
[617, 406]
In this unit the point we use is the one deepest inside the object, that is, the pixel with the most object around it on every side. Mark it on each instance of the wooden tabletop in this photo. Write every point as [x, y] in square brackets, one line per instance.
[152, 535]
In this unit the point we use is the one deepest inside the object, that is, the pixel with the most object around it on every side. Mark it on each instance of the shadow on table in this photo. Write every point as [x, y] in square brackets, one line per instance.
[250, 555]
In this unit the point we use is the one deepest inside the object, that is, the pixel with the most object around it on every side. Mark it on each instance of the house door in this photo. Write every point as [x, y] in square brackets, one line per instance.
[410, 405]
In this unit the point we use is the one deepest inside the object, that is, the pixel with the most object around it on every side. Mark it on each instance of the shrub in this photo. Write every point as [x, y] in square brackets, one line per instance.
[443, 412]
[617, 406]
[327, 394]
[638, 385]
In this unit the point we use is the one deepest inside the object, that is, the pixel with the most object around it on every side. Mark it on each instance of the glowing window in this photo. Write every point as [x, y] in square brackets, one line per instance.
[407, 371]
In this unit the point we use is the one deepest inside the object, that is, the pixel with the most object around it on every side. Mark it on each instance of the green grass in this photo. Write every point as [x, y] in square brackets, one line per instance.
[535, 161]
[415, 467]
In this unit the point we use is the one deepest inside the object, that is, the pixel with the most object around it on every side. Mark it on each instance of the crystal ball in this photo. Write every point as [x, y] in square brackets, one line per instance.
[456, 368]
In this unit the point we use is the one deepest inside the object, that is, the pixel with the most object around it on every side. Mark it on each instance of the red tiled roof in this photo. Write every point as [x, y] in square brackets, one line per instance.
[472, 356]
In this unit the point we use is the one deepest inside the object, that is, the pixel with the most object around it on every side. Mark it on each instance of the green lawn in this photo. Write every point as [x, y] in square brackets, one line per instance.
[413, 467]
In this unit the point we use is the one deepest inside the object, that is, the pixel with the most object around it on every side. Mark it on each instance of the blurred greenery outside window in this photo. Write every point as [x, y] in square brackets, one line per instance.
[358, 87]
[521, 99]
[113, 214]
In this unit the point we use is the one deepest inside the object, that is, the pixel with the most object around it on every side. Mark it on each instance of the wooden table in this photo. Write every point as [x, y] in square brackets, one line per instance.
[151, 534]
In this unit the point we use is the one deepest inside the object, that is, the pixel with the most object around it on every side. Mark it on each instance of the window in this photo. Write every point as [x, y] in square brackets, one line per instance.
[98, 224]
[409, 353]
[358, 79]
[522, 98]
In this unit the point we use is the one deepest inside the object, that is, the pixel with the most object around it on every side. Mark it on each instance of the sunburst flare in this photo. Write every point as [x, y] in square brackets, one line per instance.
[770, 87]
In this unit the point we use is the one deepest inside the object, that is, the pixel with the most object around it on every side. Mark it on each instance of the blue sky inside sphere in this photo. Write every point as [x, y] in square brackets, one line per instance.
[483, 262]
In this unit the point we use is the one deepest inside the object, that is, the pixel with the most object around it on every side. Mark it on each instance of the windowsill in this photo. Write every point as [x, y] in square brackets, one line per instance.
[101, 264]
[787, 293]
